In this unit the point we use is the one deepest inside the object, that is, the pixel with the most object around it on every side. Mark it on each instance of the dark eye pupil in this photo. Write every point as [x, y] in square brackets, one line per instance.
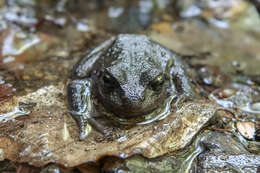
[157, 84]
[106, 79]
[109, 81]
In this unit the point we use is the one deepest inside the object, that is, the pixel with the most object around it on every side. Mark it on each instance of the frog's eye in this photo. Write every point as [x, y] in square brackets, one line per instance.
[109, 81]
[157, 83]
[106, 78]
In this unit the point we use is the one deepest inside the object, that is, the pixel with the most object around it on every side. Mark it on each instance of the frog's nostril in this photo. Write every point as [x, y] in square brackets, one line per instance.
[142, 97]
[137, 98]
[133, 93]
[134, 100]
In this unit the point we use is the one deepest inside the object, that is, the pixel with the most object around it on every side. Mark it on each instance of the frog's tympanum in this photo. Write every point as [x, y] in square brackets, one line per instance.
[132, 77]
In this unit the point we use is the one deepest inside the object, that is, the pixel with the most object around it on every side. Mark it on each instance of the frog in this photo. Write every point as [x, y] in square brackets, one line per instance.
[131, 76]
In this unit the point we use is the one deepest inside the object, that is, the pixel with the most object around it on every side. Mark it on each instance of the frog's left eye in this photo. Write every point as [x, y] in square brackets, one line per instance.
[157, 83]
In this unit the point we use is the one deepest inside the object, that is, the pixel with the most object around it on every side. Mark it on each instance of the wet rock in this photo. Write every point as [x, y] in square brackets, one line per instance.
[24, 168]
[218, 13]
[191, 157]
[236, 96]
[140, 164]
[246, 129]
[52, 168]
[131, 20]
[24, 16]
[112, 164]
[134, 16]
[8, 148]
[22, 46]
[163, 27]
[252, 108]
[192, 37]
[210, 77]
[88, 168]
[49, 134]
[224, 154]
[218, 142]
[218, 9]
[222, 162]
[257, 132]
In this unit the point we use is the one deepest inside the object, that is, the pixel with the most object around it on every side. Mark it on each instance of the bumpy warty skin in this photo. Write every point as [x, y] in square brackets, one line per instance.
[130, 75]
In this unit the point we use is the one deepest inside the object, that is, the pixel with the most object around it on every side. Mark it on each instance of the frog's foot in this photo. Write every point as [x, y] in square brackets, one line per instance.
[81, 106]
[85, 123]
[82, 122]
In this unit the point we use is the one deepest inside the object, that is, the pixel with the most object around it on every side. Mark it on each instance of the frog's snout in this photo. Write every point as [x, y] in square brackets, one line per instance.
[133, 95]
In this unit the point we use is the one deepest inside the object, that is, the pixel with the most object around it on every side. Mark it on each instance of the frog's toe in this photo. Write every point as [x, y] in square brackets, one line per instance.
[84, 131]
[82, 121]
[107, 132]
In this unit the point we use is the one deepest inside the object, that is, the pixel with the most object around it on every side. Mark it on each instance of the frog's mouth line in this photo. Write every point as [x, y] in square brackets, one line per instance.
[157, 114]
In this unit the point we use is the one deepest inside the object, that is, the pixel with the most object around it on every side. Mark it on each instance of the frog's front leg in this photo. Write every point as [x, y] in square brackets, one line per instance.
[81, 106]
[86, 64]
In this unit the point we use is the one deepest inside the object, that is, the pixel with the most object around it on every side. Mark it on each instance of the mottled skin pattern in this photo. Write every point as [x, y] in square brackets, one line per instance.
[130, 75]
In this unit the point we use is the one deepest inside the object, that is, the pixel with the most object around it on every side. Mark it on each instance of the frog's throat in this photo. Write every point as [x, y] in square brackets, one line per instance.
[157, 114]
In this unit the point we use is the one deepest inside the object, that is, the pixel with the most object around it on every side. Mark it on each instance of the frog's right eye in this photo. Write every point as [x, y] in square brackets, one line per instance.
[109, 81]
[106, 78]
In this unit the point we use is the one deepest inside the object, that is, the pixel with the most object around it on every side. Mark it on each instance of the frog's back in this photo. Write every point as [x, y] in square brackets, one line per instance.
[137, 52]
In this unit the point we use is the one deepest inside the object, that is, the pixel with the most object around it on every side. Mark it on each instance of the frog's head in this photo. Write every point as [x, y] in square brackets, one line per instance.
[132, 80]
